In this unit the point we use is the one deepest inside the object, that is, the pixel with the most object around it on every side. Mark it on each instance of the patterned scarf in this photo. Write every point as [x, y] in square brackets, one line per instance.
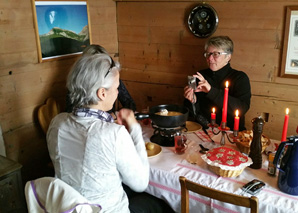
[87, 112]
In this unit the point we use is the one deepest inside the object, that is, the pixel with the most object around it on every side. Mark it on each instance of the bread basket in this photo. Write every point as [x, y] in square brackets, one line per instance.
[244, 140]
[226, 162]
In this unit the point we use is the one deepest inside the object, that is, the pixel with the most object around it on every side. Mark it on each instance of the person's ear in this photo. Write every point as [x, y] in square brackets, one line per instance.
[101, 93]
[229, 56]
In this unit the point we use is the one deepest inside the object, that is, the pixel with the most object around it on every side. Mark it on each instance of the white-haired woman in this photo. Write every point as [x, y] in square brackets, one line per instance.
[90, 152]
[123, 96]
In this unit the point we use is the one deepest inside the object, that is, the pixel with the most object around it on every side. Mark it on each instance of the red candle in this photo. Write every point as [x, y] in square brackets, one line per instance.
[236, 121]
[285, 128]
[225, 103]
[213, 115]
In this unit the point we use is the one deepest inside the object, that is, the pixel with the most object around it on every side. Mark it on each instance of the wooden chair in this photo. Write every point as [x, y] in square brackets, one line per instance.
[46, 113]
[187, 185]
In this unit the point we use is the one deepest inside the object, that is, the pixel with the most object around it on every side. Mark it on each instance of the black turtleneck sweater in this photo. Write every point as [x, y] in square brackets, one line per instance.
[239, 95]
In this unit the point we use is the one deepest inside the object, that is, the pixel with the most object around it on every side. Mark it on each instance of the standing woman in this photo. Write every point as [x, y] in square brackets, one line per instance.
[211, 83]
[90, 152]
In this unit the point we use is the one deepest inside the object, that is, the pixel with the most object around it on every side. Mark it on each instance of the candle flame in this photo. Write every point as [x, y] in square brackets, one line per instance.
[227, 84]
[213, 109]
[287, 111]
[237, 113]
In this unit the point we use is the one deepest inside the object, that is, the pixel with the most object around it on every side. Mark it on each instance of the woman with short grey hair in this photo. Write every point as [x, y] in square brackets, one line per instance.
[209, 91]
[124, 97]
[89, 151]
[85, 79]
[221, 42]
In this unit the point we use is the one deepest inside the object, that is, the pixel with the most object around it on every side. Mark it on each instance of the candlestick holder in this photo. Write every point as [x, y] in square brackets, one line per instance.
[223, 128]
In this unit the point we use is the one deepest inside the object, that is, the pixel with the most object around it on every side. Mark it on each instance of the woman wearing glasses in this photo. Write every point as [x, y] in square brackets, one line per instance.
[209, 92]
[89, 151]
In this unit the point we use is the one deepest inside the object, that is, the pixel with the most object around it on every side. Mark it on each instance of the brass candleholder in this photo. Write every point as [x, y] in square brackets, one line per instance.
[223, 128]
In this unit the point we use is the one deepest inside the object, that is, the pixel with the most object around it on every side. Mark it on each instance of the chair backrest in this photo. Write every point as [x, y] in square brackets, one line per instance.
[48, 194]
[46, 113]
[187, 185]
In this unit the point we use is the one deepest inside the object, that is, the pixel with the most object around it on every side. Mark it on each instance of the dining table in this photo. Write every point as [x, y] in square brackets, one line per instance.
[166, 167]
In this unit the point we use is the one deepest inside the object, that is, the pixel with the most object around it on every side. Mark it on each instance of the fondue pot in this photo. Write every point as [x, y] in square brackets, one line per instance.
[164, 120]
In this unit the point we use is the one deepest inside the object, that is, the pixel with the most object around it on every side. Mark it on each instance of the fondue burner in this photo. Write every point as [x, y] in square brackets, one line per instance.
[165, 136]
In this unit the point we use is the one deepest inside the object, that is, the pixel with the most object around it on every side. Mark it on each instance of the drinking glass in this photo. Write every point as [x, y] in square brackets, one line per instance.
[180, 143]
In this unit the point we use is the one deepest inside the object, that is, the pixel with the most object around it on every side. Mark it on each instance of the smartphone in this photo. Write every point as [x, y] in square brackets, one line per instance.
[253, 187]
[192, 82]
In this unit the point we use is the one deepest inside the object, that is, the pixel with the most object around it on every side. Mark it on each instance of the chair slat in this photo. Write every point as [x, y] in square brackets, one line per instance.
[187, 185]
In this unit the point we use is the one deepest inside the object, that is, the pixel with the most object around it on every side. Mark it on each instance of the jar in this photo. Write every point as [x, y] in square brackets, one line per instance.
[271, 166]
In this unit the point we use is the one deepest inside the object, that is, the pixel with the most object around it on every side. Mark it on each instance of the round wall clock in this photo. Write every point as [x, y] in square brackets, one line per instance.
[203, 20]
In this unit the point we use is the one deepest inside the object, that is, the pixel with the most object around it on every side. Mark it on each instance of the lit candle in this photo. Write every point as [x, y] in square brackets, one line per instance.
[285, 129]
[236, 121]
[213, 115]
[225, 103]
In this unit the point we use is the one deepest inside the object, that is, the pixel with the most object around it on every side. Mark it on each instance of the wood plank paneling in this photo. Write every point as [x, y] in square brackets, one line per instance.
[160, 57]
[157, 49]
[276, 110]
[17, 40]
[25, 84]
[146, 94]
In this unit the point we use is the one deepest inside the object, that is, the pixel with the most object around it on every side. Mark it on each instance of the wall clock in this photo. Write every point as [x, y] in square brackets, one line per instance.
[203, 20]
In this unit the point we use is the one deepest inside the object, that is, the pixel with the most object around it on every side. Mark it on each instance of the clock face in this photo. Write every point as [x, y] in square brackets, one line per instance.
[203, 20]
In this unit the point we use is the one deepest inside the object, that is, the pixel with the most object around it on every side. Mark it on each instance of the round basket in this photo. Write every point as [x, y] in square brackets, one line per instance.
[225, 173]
[245, 147]
[226, 162]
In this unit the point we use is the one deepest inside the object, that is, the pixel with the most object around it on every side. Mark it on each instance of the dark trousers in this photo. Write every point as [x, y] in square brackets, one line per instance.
[145, 203]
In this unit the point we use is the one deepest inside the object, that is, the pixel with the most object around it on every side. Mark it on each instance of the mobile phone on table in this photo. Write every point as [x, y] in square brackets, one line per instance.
[192, 82]
[253, 187]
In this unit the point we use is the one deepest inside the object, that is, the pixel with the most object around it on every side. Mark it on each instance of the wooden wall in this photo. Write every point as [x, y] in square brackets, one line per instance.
[157, 52]
[25, 83]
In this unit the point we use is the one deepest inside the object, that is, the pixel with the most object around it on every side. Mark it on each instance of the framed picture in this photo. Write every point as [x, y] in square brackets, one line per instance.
[62, 28]
[289, 63]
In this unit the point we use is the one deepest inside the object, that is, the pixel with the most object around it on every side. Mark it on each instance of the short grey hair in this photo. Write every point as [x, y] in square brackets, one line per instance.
[94, 49]
[221, 42]
[88, 74]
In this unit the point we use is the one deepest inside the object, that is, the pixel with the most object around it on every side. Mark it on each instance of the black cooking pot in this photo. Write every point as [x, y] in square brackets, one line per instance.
[165, 121]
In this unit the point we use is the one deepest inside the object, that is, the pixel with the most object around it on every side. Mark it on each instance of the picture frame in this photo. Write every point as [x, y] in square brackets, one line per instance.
[289, 61]
[62, 28]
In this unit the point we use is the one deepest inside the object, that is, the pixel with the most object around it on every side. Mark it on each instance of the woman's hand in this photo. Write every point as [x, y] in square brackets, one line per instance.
[189, 94]
[203, 85]
[126, 117]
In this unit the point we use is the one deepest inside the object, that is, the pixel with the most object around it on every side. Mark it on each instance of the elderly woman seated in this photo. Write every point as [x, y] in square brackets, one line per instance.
[90, 152]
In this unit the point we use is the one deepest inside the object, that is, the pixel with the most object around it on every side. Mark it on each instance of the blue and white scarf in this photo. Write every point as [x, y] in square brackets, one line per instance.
[95, 113]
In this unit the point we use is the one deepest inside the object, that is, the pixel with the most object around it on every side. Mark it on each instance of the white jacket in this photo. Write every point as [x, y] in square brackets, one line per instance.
[95, 157]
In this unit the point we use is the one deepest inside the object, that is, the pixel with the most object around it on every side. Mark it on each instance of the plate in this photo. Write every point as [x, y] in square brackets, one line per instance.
[155, 151]
[192, 126]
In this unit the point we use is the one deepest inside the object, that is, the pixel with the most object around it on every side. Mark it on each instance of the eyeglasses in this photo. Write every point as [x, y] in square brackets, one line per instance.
[112, 65]
[214, 54]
